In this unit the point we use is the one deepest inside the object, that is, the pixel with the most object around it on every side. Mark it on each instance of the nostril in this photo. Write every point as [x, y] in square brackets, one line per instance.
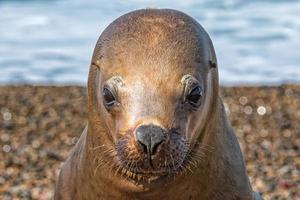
[144, 140]
[150, 137]
[155, 147]
[157, 139]
[145, 148]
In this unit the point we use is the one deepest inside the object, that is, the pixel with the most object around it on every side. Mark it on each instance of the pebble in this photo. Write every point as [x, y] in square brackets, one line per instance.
[6, 148]
[42, 124]
[7, 116]
[243, 100]
[248, 110]
[261, 110]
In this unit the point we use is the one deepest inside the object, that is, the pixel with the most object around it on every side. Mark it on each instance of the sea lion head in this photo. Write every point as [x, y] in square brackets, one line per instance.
[152, 88]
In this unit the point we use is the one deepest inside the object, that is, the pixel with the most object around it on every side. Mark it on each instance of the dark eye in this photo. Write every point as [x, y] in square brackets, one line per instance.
[109, 98]
[194, 97]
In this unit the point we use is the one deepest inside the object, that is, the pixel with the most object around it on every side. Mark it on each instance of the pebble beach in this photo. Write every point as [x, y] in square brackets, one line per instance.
[40, 124]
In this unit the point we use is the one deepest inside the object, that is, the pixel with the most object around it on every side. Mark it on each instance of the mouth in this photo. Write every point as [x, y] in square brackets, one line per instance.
[167, 169]
[147, 176]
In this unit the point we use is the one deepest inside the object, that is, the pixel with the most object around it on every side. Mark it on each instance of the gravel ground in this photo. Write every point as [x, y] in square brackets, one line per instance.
[39, 126]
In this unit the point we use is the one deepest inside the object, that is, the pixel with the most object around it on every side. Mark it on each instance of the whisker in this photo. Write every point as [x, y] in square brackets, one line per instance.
[97, 147]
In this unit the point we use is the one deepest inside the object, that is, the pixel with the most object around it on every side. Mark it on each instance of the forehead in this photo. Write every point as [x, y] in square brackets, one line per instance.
[153, 78]
[163, 62]
[160, 45]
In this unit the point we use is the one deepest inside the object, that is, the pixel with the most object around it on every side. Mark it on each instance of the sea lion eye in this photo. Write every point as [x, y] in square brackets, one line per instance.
[109, 97]
[194, 96]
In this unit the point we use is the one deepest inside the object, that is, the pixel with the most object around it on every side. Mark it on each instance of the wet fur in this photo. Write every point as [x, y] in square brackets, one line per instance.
[208, 163]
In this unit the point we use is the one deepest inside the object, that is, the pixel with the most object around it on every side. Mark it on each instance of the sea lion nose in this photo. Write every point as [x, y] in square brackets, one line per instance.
[150, 137]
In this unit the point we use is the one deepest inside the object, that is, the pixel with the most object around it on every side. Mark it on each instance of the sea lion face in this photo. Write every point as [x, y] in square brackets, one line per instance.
[154, 91]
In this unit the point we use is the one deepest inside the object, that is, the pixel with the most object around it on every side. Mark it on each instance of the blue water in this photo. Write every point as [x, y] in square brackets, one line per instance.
[51, 42]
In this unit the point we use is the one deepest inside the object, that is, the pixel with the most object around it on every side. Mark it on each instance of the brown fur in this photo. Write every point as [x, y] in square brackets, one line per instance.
[148, 52]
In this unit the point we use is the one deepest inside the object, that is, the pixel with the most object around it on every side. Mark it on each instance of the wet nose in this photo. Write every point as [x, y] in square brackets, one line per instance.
[150, 137]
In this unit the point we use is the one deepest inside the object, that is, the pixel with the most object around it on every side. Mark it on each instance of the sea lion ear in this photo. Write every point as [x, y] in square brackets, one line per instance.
[212, 64]
[93, 85]
[96, 64]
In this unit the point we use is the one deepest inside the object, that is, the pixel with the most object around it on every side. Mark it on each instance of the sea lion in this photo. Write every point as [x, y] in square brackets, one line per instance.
[157, 128]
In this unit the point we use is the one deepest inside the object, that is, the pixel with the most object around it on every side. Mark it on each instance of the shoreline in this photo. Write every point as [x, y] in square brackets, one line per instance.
[40, 124]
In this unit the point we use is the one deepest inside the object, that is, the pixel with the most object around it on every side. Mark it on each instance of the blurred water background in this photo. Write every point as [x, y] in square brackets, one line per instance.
[51, 42]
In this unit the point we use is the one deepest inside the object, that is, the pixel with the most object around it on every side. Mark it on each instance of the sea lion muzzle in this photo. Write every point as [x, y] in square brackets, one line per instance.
[151, 149]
